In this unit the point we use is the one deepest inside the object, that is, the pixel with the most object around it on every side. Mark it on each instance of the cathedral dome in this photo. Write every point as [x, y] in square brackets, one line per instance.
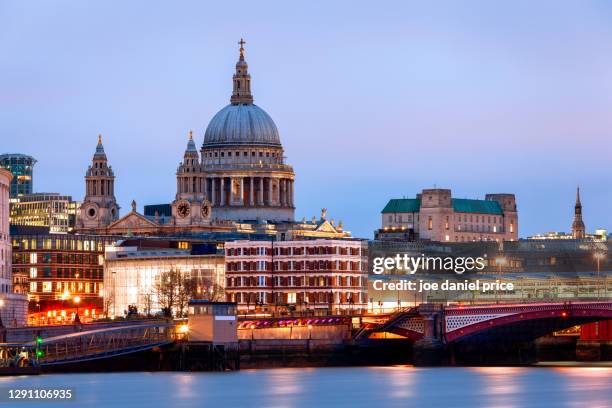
[241, 124]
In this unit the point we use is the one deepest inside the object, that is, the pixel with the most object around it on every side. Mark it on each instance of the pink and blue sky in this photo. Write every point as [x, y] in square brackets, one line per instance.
[373, 100]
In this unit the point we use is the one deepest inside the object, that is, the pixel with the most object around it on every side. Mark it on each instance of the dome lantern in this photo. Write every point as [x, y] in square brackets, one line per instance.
[242, 81]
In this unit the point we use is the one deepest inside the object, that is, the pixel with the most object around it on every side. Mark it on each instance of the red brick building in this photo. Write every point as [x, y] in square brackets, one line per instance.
[324, 275]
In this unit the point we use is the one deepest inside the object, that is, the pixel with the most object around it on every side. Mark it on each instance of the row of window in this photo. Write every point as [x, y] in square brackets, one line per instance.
[65, 244]
[244, 154]
[61, 288]
[57, 258]
[280, 251]
[264, 298]
[458, 218]
[293, 266]
[71, 273]
[296, 281]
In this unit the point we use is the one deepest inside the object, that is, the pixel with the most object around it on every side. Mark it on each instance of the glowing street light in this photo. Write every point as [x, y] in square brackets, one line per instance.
[598, 257]
[499, 261]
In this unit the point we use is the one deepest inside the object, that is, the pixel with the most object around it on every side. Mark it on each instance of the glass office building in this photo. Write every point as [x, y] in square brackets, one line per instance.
[22, 168]
[52, 210]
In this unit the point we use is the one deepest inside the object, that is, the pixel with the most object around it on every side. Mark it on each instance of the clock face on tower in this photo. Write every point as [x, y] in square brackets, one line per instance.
[183, 208]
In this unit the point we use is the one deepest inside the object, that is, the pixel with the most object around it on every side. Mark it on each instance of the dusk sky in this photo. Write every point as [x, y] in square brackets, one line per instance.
[373, 100]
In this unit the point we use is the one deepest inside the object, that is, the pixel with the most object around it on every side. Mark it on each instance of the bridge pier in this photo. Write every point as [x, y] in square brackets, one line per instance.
[431, 350]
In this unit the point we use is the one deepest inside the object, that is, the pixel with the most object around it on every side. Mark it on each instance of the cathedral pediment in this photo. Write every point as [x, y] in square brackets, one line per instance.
[326, 226]
[132, 220]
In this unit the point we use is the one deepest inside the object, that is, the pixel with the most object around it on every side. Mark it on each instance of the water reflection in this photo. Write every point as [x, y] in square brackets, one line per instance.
[501, 385]
[399, 386]
[284, 387]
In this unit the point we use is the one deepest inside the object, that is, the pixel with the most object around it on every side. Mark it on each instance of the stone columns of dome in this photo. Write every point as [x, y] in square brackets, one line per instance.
[281, 192]
[240, 198]
[222, 191]
[251, 191]
[285, 195]
[290, 193]
[270, 192]
[213, 195]
[260, 198]
[233, 191]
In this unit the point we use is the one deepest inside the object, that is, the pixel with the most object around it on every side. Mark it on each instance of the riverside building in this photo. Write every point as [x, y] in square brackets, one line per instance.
[13, 307]
[134, 266]
[435, 216]
[320, 275]
[55, 269]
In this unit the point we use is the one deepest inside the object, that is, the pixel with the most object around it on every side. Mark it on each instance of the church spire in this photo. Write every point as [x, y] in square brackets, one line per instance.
[578, 228]
[241, 94]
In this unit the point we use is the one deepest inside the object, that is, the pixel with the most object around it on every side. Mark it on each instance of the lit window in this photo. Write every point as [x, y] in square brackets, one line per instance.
[430, 223]
[47, 286]
[291, 297]
[32, 287]
[33, 272]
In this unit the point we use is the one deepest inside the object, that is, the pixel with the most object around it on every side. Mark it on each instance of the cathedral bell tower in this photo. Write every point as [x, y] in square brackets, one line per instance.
[578, 229]
[99, 208]
[190, 206]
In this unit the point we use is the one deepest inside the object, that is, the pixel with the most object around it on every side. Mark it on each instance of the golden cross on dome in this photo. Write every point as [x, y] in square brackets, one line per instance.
[241, 43]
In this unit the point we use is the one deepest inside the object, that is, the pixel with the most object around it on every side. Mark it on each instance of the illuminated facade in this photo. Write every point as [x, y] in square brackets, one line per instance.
[433, 215]
[134, 266]
[322, 274]
[13, 307]
[52, 270]
[21, 167]
[57, 212]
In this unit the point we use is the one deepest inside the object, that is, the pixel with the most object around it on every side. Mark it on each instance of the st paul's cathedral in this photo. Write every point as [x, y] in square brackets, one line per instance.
[238, 181]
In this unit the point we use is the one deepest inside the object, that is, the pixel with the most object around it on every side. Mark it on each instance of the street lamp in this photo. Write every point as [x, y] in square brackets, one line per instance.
[500, 261]
[598, 257]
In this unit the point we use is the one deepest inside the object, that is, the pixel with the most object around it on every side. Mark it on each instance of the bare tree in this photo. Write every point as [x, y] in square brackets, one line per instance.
[148, 303]
[166, 289]
[211, 291]
[187, 290]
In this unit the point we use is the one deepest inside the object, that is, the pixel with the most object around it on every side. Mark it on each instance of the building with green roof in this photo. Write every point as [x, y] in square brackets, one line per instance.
[434, 215]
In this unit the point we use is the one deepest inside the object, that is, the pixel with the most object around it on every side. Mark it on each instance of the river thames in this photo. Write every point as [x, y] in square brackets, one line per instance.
[338, 387]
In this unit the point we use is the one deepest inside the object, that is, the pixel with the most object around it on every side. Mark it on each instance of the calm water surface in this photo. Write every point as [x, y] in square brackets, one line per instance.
[335, 387]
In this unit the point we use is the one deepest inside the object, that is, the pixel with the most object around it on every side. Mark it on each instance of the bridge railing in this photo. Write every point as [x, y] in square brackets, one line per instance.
[518, 307]
[92, 344]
